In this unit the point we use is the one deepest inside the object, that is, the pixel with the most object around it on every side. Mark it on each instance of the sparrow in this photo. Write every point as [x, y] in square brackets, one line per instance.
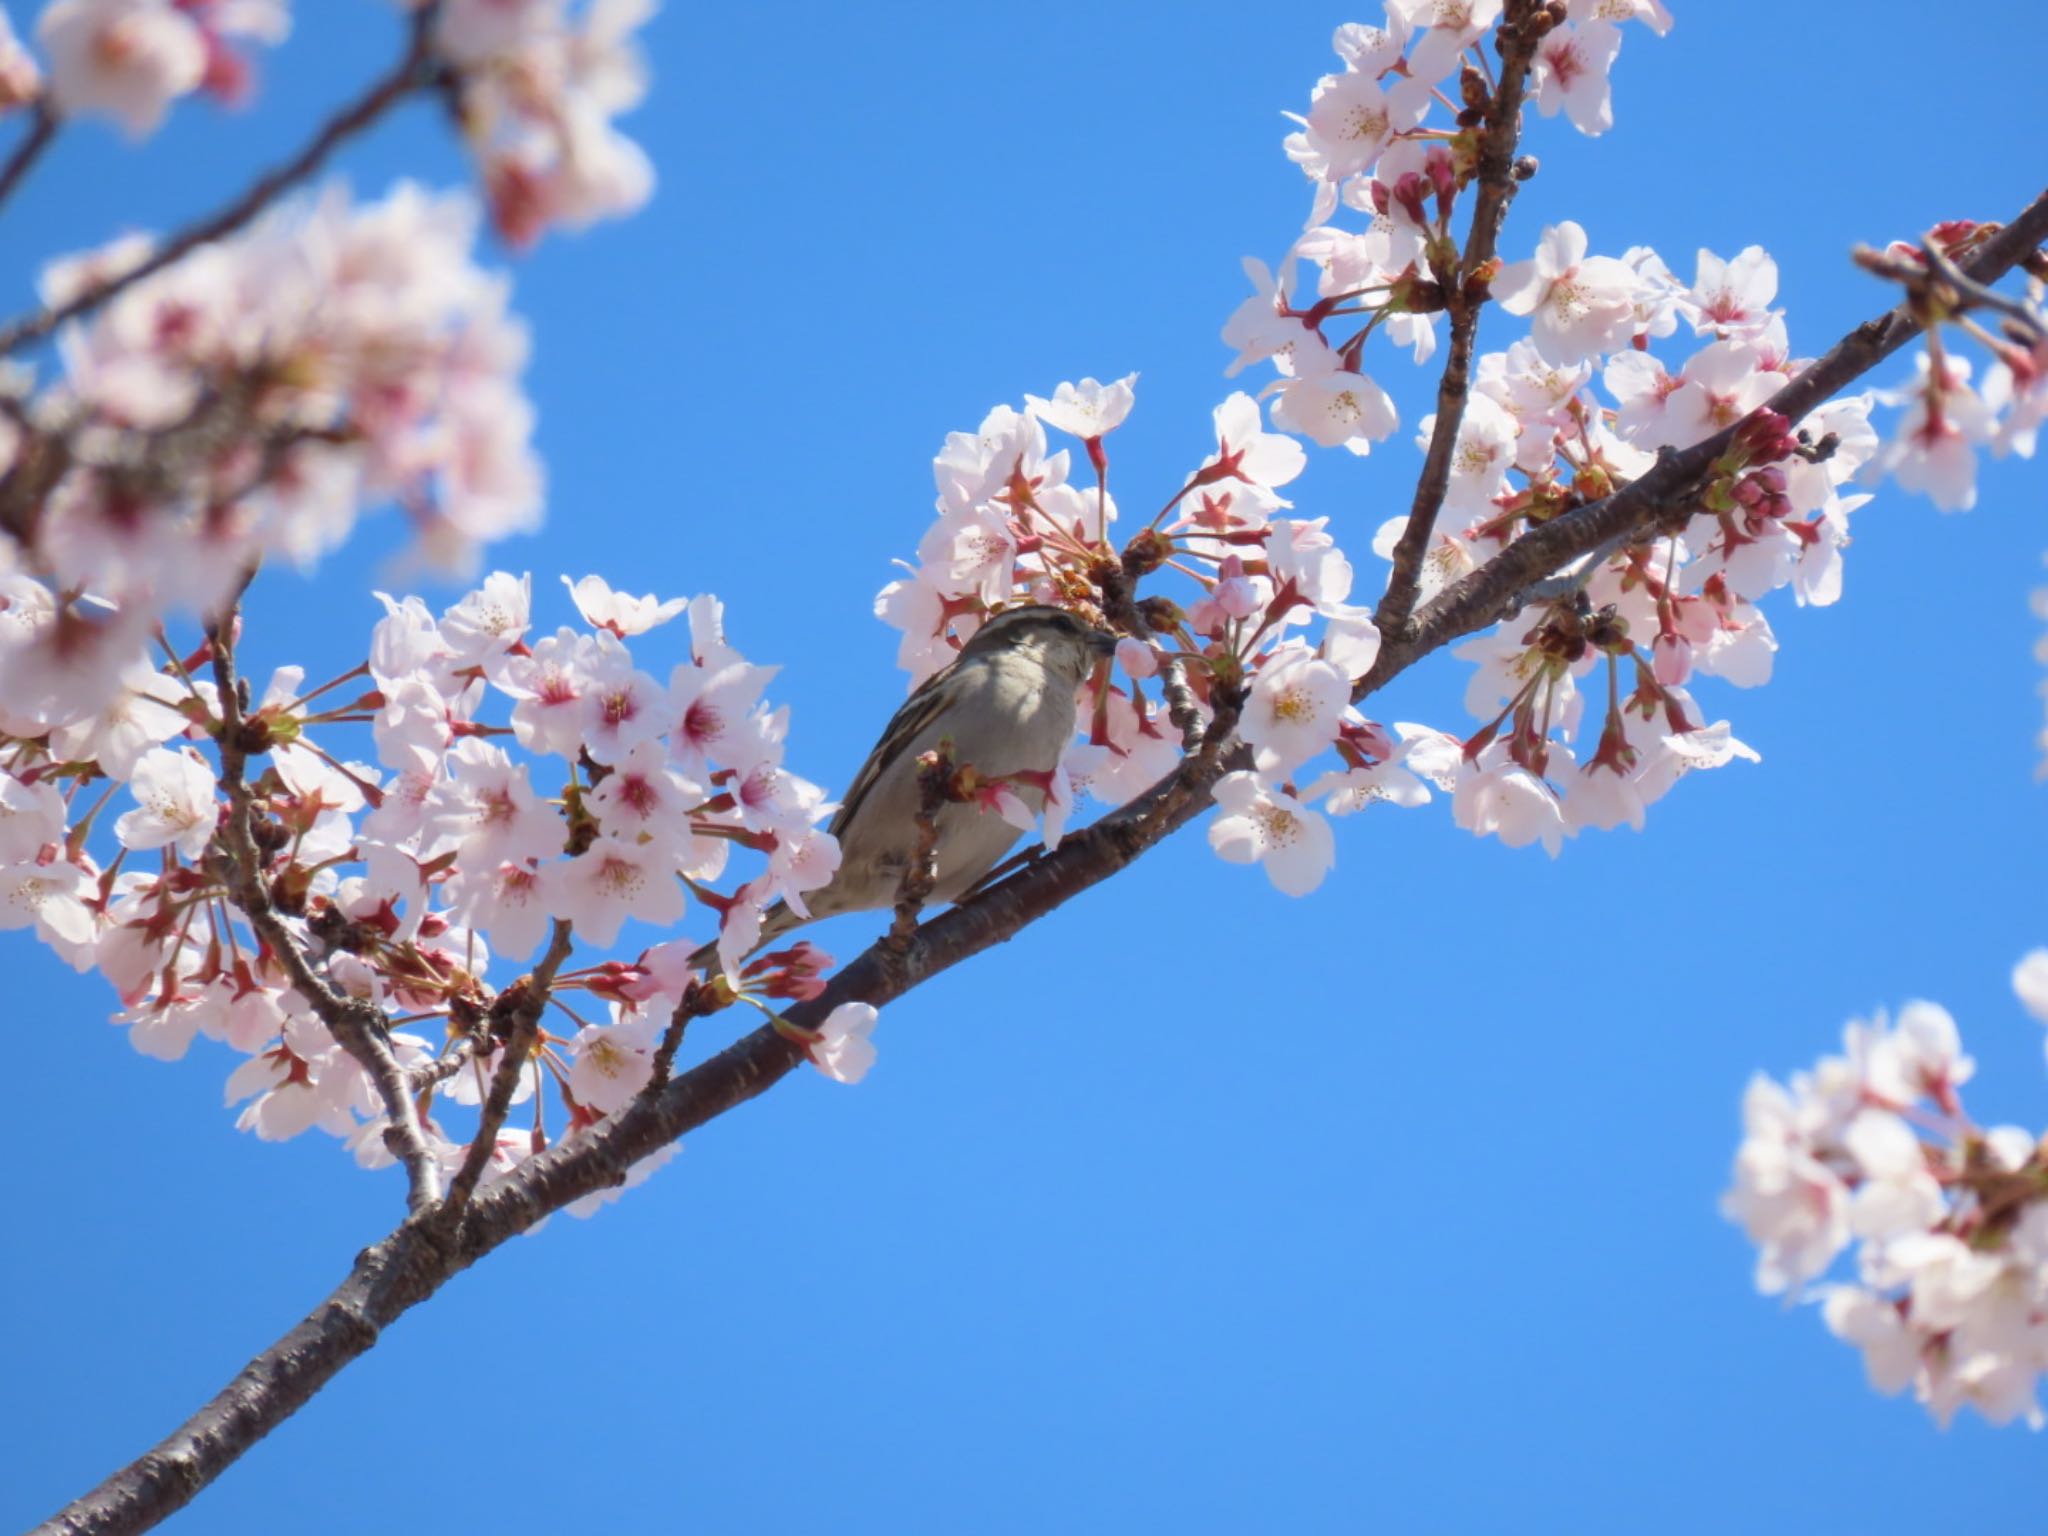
[1006, 704]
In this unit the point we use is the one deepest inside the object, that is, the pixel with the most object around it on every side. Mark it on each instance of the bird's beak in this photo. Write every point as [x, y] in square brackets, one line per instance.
[1101, 642]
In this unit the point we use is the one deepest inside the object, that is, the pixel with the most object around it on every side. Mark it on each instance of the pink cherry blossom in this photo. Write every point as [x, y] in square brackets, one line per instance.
[1582, 305]
[1351, 120]
[32, 818]
[619, 612]
[616, 880]
[20, 80]
[1258, 822]
[1087, 410]
[1443, 30]
[1652, 13]
[175, 804]
[1372, 50]
[1498, 797]
[610, 1064]
[1571, 69]
[710, 708]
[488, 622]
[1337, 408]
[622, 706]
[513, 903]
[845, 1047]
[1733, 297]
[124, 59]
[1297, 702]
[49, 894]
[1935, 449]
[1794, 1208]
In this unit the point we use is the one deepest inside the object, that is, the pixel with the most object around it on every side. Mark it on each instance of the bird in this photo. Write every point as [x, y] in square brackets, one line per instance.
[1006, 703]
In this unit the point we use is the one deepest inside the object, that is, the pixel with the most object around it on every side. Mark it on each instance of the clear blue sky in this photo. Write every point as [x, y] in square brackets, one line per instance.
[1390, 1209]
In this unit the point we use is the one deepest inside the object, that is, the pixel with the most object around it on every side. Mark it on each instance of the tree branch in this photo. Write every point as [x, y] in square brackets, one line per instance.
[523, 1001]
[416, 70]
[415, 1260]
[1672, 487]
[41, 130]
[1464, 298]
[357, 1025]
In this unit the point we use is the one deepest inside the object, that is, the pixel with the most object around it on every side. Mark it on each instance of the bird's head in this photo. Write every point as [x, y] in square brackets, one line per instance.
[1064, 643]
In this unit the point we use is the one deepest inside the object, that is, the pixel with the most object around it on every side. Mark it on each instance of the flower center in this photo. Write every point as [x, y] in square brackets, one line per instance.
[1280, 825]
[1294, 705]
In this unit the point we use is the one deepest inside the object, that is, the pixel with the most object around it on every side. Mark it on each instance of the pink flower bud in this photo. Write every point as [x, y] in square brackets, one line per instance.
[1671, 660]
[1136, 658]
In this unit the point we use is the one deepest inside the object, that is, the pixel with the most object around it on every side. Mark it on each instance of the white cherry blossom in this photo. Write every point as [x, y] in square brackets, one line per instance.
[175, 804]
[1581, 305]
[1258, 822]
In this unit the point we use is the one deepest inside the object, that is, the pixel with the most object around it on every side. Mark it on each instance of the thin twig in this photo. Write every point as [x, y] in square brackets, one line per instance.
[1496, 181]
[436, 1072]
[41, 130]
[519, 1006]
[1976, 294]
[416, 70]
[357, 1025]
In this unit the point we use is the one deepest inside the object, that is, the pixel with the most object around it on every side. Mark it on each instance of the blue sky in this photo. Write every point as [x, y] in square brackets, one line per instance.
[1392, 1208]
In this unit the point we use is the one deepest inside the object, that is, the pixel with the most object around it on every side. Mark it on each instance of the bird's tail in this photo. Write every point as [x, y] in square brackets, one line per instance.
[775, 922]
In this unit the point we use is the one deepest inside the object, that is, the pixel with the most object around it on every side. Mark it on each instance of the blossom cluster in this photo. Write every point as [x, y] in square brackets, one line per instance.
[1572, 411]
[1538, 440]
[599, 795]
[128, 60]
[1949, 1219]
[243, 403]
[1012, 527]
[1945, 418]
[539, 83]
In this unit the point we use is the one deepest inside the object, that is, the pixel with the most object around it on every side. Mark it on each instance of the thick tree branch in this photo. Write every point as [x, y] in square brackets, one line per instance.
[415, 1260]
[1464, 298]
[416, 70]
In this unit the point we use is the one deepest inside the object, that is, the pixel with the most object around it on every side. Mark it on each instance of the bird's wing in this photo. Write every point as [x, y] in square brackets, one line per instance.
[905, 726]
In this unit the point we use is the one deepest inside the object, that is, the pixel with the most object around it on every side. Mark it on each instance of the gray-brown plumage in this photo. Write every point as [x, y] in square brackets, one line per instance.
[1006, 702]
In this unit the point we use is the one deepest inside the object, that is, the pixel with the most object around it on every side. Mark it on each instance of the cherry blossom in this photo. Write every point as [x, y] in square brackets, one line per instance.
[1246, 451]
[124, 59]
[619, 612]
[1087, 410]
[175, 805]
[1935, 450]
[1351, 120]
[1443, 30]
[612, 1063]
[844, 1049]
[1874, 1147]
[1295, 708]
[1733, 297]
[1570, 71]
[1580, 305]
[1336, 408]
[1260, 822]
[20, 80]
[539, 88]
